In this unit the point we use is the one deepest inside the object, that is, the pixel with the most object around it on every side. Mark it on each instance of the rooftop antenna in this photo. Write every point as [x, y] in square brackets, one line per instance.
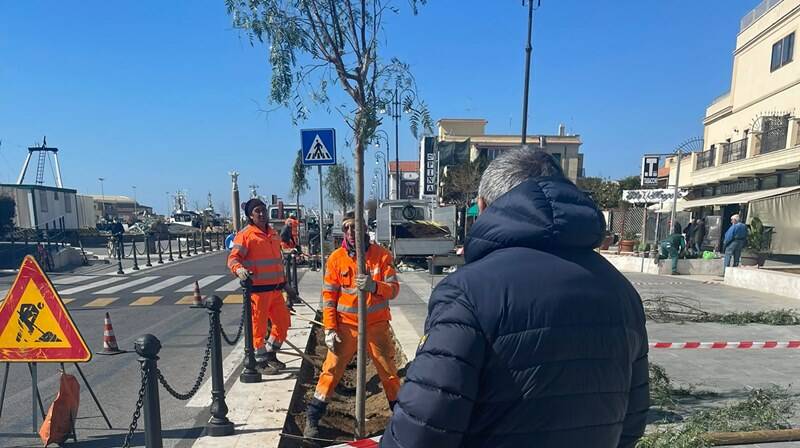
[42, 152]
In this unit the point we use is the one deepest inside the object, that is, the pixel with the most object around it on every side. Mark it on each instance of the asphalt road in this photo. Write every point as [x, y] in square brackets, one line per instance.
[183, 332]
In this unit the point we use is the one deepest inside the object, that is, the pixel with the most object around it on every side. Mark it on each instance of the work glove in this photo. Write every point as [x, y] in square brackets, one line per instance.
[331, 338]
[365, 282]
[243, 274]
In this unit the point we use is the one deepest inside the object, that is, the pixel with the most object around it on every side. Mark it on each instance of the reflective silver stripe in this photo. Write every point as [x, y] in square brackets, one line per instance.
[263, 262]
[330, 287]
[241, 248]
[352, 291]
[328, 304]
[370, 309]
[269, 275]
[391, 278]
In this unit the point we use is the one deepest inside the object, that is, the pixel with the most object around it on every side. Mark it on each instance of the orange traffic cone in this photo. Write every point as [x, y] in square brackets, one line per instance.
[109, 340]
[198, 301]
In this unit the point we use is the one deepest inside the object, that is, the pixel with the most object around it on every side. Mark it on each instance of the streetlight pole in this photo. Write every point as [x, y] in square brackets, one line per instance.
[528, 49]
[395, 98]
[378, 134]
[102, 198]
[385, 181]
[135, 204]
[674, 211]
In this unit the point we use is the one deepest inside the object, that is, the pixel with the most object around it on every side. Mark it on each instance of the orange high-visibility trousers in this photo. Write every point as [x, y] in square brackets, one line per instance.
[269, 306]
[380, 346]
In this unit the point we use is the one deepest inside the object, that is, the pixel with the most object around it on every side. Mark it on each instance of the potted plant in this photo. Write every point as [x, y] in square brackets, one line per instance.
[754, 252]
[628, 241]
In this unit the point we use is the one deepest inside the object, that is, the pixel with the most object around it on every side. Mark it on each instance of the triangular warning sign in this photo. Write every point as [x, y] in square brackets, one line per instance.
[34, 323]
[318, 152]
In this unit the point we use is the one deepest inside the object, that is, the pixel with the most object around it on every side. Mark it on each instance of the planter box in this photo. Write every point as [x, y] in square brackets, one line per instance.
[764, 280]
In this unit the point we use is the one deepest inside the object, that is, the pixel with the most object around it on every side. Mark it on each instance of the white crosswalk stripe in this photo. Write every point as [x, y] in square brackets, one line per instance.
[203, 282]
[163, 284]
[92, 285]
[69, 280]
[127, 285]
[232, 285]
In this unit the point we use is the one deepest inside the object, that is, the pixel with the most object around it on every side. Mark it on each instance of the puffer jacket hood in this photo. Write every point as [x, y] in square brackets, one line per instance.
[544, 213]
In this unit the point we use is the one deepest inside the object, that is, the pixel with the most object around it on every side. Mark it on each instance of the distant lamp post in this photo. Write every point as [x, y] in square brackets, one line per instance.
[528, 49]
[379, 157]
[381, 134]
[102, 198]
[396, 102]
[135, 204]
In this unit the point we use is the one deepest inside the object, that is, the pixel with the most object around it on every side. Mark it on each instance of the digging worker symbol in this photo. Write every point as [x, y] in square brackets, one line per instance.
[340, 317]
[256, 255]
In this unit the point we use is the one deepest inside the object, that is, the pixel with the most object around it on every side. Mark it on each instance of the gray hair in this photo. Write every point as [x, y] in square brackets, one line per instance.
[513, 167]
[735, 217]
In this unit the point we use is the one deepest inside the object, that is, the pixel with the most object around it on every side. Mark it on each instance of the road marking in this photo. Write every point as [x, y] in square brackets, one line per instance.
[71, 279]
[232, 285]
[97, 284]
[163, 284]
[99, 303]
[233, 298]
[130, 284]
[186, 300]
[146, 300]
[204, 282]
[202, 398]
[66, 301]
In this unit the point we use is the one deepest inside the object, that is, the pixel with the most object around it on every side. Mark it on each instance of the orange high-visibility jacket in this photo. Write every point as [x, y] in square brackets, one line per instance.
[295, 224]
[259, 253]
[340, 294]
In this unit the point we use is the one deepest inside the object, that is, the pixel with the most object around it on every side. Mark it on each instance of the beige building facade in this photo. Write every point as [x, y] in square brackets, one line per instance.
[563, 147]
[751, 148]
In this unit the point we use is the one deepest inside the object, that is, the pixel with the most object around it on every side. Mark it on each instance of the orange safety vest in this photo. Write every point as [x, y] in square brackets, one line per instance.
[295, 226]
[259, 253]
[340, 294]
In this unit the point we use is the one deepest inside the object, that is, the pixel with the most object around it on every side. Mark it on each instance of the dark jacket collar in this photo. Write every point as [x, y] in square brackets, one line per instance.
[543, 213]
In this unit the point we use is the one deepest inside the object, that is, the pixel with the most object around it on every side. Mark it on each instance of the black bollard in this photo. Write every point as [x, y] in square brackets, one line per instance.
[119, 262]
[169, 243]
[249, 374]
[158, 240]
[188, 247]
[218, 425]
[178, 240]
[147, 347]
[294, 272]
[135, 260]
[194, 242]
[147, 248]
[203, 240]
[216, 237]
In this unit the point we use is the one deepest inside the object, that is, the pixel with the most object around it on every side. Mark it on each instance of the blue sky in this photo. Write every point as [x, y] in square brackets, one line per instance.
[166, 95]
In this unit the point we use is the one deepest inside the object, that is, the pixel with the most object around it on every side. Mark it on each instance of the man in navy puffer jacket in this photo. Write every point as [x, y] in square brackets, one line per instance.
[537, 341]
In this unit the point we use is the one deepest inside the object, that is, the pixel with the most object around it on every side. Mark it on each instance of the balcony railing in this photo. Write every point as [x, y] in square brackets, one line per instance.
[734, 151]
[756, 13]
[705, 159]
[774, 139]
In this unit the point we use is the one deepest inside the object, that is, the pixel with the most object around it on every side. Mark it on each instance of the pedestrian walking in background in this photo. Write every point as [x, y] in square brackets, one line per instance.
[688, 231]
[698, 235]
[256, 255]
[734, 242]
[537, 341]
[340, 318]
[673, 246]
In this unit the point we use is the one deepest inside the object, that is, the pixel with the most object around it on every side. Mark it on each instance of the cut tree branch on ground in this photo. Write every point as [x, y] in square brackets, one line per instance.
[664, 309]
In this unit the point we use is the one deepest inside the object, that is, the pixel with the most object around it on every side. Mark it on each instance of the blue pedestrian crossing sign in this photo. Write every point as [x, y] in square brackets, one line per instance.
[319, 146]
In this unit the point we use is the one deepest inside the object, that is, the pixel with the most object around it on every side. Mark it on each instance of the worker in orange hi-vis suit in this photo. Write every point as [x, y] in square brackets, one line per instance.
[256, 255]
[340, 318]
[294, 225]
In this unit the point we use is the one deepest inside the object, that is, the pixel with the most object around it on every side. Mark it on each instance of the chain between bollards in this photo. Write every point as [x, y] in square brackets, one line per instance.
[135, 260]
[228, 340]
[137, 413]
[198, 382]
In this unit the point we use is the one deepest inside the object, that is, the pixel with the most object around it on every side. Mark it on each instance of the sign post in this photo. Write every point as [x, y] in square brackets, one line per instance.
[319, 148]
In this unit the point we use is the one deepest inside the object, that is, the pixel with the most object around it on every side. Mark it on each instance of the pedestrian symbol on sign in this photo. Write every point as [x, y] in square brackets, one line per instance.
[318, 151]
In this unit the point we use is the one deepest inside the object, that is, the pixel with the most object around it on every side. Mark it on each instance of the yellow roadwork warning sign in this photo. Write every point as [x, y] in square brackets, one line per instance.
[34, 323]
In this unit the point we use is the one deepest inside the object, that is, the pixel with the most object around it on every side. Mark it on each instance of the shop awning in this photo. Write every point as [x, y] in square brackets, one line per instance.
[472, 211]
[740, 198]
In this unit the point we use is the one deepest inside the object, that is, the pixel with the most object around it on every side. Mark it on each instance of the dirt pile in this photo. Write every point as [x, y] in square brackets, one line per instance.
[339, 421]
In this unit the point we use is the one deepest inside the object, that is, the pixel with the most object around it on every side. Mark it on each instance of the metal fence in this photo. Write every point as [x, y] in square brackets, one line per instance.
[734, 151]
[774, 139]
[705, 159]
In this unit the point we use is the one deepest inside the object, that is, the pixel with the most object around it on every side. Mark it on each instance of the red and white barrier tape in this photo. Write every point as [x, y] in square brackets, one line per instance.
[366, 443]
[724, 345]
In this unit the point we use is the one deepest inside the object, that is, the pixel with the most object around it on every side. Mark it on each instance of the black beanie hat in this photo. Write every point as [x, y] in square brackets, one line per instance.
[250, 205]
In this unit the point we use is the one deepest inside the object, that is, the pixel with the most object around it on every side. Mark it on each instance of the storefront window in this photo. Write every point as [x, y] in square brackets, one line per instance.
[790, 179]
[769, 182]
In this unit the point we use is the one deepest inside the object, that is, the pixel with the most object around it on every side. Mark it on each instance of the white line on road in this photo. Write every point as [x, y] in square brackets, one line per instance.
[127, 285]
[232, 285]
[204, 282]
[97, 284]
[161, 285]
[202, 398]
[70, 279]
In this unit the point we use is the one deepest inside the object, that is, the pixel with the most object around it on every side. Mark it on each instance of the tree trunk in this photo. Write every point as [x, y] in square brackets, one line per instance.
[361, 376]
